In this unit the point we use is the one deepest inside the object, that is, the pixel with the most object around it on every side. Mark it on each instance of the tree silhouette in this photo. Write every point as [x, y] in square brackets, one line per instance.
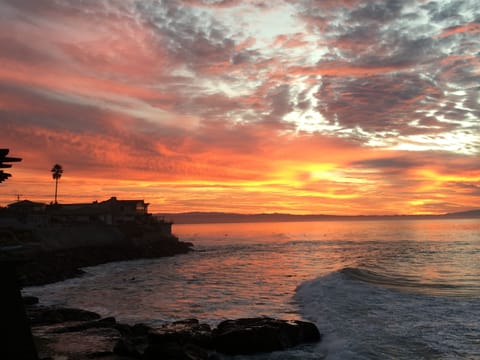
[4, 164]
[57, 172]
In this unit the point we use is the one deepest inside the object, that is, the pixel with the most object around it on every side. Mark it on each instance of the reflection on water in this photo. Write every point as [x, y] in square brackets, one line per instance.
[466, 230]
[435, 251]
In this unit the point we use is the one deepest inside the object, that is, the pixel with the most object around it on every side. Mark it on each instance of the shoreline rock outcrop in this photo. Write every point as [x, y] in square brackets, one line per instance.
[62, 258]
[83, 334]
[252, 335]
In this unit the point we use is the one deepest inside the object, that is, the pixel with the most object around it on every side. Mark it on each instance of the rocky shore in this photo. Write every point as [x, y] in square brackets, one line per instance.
[55, 261]
[74, 334]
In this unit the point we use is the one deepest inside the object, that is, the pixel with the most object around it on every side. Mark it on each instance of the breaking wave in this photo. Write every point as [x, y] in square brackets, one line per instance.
[402, 282]
[367, 314]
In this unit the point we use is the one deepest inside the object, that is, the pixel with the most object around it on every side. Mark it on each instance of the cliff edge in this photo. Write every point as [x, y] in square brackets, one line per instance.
[56, 253]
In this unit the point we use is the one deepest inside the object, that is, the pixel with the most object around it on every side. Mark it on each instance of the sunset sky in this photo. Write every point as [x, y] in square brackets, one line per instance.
[298, 106]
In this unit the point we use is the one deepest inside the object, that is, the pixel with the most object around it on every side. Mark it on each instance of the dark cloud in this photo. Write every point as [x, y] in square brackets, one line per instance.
[195, 39]
[471, 189]
[279, 100]
[452, 11]
[400, 35]
[212, 3]
[377, 103]
[378, 12]
[245, 56]
[399, 163]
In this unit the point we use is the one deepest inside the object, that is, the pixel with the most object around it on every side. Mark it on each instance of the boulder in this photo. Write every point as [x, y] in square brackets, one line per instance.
[175, 351]
[73, 332]
[179, 340]
[134, 340]
[188, 331]
[252, 335]
[29, 300]
[191, 340]
[128, 348]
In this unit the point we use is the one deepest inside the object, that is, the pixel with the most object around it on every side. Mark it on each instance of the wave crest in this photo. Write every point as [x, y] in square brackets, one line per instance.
[397, 281]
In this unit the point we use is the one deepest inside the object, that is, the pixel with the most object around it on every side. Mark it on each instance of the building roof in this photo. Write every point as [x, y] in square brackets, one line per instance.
[25, 204]
[113, 199]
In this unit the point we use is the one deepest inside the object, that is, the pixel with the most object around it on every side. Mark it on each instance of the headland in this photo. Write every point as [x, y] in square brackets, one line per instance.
[55, 241]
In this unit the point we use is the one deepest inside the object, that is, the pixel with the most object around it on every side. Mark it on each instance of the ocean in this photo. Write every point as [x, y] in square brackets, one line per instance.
[377, 289]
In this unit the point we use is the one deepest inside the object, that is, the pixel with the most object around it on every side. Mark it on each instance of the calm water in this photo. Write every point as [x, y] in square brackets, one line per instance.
[376, 289]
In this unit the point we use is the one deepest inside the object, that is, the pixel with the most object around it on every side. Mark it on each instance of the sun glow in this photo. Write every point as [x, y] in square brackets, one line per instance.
[443, 178]
[243, 106]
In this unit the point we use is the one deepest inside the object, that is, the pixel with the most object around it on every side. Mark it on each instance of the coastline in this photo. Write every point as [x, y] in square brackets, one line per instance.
[51, 263]
[75, 334]
[52, 242]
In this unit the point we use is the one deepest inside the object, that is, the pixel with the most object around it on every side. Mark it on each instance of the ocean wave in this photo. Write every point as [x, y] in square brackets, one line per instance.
[401, 281]
[363, 315]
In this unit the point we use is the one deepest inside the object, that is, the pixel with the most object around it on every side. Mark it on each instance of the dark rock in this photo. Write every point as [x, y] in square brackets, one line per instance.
[175, 351]
[181, 340]
[252, 335]
[134, 340]
[191, 340]
[134, 330]
[141, 329]
[186, 340]
[127, 347]
[307, 332]
[29, 300]
[188, 331]
[51, 315]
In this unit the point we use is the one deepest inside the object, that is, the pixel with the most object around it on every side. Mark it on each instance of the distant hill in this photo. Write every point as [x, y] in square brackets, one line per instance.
[220, 217]
[465, 214]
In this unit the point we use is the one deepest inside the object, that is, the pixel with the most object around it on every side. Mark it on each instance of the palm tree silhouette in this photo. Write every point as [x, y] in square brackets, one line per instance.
[57, 172]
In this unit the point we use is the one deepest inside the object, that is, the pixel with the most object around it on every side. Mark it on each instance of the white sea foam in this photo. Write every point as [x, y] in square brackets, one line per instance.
[370, 321]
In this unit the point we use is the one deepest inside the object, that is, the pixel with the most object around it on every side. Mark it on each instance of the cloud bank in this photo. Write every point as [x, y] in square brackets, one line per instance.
[339, 107]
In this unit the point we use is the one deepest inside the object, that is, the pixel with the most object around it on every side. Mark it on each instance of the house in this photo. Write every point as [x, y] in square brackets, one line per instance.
[110, 212]
[123, 211]
[27, 212]
[26, 206]
[71, 225]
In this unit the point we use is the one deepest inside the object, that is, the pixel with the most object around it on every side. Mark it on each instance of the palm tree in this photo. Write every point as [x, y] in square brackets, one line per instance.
[57, 172]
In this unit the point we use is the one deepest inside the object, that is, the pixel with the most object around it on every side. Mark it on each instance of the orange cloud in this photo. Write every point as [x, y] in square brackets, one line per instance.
[191, 110]
[470, 28]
